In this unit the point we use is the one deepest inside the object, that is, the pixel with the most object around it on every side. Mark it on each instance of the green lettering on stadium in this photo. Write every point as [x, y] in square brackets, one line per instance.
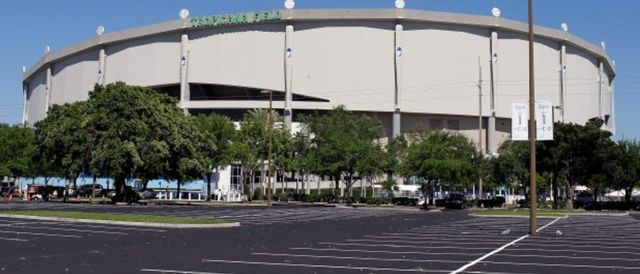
[236, 18]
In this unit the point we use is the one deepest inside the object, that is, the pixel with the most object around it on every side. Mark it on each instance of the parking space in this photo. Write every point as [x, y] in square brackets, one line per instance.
[488, 245]
[244, 215]
[41, 231]
[324, 240]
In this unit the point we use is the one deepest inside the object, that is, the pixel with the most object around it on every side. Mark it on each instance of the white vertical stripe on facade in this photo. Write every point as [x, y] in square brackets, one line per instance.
[48, 89]
[601, 82]
[288, 75]
[398, 80]
[102, 56]
[25, 104]
[563, 79]
[184, 64]
[491, 127]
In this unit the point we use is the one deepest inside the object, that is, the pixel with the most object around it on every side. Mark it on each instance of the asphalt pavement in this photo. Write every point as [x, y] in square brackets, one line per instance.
[321, 240]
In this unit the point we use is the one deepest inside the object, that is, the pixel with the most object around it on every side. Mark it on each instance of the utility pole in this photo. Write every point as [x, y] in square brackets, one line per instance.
[532, 130]
[480, 124]
[269, 132]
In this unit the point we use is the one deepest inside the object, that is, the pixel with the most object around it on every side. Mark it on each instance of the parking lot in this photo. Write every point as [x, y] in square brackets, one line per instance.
[322, 240]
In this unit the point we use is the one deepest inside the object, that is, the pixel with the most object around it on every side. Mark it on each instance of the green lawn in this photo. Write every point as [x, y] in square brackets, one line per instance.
[140, 218]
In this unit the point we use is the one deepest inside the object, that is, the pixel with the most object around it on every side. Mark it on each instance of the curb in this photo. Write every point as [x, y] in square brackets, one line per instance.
[124, 223]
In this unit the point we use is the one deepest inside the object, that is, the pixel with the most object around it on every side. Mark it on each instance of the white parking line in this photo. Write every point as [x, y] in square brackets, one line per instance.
[177, 271]
[357, 258]
[447, 242]
[567, 257]
[404, 246]
[573, 250]
[75, 230]
[41, 234]
[610, 267]
[13, 239]
[101, 226]
[464, 267]
[359, 268]
[384, 252]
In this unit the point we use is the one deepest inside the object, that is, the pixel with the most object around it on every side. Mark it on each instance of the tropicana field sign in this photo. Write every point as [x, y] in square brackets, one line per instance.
[236, 18]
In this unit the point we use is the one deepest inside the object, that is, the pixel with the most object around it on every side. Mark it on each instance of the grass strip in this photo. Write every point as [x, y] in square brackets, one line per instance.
[123, 217]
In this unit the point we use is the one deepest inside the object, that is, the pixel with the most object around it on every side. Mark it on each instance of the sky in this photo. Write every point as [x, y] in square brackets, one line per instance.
[28, 26]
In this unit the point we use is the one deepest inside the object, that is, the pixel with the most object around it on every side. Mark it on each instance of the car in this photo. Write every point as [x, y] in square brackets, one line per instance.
[145, 194]
[8, 188]
[86, 190]
[455, 200]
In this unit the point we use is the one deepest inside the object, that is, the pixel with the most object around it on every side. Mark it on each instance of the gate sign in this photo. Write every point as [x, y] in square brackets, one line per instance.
[544, 121]
[519, 121]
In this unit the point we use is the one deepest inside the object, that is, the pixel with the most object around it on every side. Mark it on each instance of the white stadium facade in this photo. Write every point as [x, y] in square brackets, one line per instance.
[408, 68]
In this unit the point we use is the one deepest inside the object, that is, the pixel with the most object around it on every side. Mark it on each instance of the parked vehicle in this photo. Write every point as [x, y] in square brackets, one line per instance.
[406, 201]
[86, 190]
[8, 188]
[455, 200]
[146, 194]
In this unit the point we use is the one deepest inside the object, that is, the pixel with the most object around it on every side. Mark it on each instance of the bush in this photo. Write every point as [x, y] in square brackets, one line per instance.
[439, 202]
[493, 202]
[611, 205]
[378, 200]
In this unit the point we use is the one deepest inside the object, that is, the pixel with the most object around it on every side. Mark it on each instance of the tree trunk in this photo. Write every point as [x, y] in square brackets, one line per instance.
[93, 188]
[253, 182]
[178, 182]
[554, 187]
[627, 194]
[209, 187]
[570, 195]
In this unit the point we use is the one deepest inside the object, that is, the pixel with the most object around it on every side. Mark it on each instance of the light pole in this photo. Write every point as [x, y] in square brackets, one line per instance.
[532, 130]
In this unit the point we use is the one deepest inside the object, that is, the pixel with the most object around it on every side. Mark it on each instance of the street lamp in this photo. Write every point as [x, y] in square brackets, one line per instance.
[269, 133]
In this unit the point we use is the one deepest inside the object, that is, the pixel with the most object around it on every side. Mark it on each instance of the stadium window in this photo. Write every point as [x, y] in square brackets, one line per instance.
[453, 125]
[435, 124]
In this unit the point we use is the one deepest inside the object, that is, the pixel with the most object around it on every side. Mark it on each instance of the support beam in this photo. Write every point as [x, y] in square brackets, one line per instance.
[48, 89]
[601, 83]
[102, 58]
[184, 65]
[491, 127]
[397, 122]
[563, 80]
[25, 103]
[288, 75]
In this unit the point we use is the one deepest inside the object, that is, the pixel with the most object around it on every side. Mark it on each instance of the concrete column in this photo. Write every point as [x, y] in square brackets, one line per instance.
[102, 58]
[601, 82]
[25, 103]
[48, 88]
[398, 83]
[563, 79]
[184, 65]
[491, 127]
[288, 75]
[612, 119]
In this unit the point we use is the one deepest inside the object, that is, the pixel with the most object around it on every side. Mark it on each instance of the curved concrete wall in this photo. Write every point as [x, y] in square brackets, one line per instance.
[365, 60]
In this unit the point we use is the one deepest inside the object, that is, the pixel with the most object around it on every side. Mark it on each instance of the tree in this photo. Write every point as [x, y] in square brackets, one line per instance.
[443, 157]
[142, 133]
[218, 132]
[251, 149]
[341, 145]
[511, 167]
[17, 148]
[66, 140]
[627, 167]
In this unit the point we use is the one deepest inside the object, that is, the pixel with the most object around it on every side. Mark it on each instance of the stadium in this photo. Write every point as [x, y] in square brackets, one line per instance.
[408, 68]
